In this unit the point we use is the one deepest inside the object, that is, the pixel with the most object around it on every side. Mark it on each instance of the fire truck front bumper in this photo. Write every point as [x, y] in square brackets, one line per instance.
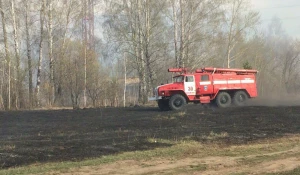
[154, 98]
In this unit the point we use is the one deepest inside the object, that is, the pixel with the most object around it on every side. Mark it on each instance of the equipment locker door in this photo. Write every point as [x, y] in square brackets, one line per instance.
[206, 86]
[189, 85]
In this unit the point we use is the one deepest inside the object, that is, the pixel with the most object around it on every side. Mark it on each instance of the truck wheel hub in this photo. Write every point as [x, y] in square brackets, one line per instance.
[177, 102]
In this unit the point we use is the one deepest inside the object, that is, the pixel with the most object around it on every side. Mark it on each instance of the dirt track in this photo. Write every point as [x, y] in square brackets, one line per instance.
[46, 136]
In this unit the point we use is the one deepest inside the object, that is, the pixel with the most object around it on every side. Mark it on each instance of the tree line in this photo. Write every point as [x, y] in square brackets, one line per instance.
[47, 58]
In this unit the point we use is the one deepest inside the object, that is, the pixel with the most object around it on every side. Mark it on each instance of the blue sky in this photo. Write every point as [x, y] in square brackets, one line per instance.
[287, 10]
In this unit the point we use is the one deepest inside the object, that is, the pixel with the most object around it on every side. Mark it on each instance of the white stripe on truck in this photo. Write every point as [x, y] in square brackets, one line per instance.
[220, 82]
[247, 81]
[232, 81]
[205, 83]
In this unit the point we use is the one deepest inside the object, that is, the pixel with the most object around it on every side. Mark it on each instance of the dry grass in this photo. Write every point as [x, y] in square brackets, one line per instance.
[7, 147]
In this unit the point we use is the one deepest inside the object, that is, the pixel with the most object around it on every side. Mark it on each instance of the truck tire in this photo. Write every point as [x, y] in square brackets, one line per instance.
[223, 100]
[176, 102]
[163, 105]
[240, 98]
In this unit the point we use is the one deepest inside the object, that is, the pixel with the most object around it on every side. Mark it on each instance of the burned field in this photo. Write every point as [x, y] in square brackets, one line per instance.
[29, 137]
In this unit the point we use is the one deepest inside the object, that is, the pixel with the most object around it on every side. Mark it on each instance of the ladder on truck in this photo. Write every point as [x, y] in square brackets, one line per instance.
[226, 70]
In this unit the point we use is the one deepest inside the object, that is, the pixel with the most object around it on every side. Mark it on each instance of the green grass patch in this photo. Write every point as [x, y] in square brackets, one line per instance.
[199, 167]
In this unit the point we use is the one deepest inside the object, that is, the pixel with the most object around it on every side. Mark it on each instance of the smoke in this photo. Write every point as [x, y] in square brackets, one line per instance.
[275, 101]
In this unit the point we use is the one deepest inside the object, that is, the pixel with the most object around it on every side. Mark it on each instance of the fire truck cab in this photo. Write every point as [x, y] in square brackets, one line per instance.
[221, 86]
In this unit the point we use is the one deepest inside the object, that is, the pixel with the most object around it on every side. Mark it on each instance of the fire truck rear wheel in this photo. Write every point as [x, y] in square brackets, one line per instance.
[163, 105]
[223, 100]
[177, 101]
[240, 98]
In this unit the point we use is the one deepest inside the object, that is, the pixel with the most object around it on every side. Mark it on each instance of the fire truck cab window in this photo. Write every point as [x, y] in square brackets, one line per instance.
[204, 78]
[189, 79]
[178, 79]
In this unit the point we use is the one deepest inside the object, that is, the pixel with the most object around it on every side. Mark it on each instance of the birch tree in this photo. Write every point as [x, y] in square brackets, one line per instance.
[50, 48]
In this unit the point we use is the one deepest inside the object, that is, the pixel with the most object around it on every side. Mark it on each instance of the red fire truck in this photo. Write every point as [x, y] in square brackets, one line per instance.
[221, 86]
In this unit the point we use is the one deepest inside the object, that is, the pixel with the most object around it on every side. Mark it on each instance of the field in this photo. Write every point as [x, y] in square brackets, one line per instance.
[195, 134]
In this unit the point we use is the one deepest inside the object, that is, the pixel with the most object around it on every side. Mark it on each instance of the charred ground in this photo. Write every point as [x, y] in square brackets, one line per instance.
[29, 137]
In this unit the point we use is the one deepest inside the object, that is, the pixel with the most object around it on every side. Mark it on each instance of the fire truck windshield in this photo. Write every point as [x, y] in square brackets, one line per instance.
[178, 79]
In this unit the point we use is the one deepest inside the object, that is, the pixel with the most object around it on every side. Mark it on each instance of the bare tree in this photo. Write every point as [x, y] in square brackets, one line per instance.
[97, 80]
[38, 79]
[290, 64]
[7, 56]
[125, 81]
[182, 34]
[74, 72]
[238, 20]
[50, 45]
[174, 9]
[28, 51]
[195, 25]
[67, 16]
[17, 56]
[130, 36]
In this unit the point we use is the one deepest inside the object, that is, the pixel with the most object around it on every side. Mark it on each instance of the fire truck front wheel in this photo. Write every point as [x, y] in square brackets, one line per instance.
[163, 105]
[177, 101]
[223, 100]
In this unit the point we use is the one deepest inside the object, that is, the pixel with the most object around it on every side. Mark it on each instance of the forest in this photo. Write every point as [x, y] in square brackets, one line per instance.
[94, 53]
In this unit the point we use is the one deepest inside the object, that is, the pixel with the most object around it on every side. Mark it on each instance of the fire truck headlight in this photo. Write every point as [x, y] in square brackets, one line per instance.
[162, 93]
